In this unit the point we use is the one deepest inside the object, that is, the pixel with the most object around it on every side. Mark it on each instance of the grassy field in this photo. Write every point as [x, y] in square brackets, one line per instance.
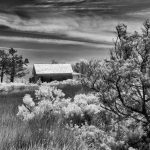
[12, 130]
[16, 134]
[50, 132]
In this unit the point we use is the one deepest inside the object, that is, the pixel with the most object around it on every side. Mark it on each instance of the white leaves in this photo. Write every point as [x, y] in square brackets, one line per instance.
[92, 109]
[49, 93]
[43, 106]
[51, 100]
[28, 100]
[92, 136]
[71, 110]
[89, 99]
[24, 113]
[89, 104]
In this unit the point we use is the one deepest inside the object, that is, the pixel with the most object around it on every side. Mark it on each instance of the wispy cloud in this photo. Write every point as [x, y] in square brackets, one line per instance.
[86, 24]
[66, 28]
[53, 41]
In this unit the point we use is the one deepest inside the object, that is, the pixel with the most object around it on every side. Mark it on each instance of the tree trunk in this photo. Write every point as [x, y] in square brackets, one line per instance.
[12, 78]
[12, 75]
[2, 74]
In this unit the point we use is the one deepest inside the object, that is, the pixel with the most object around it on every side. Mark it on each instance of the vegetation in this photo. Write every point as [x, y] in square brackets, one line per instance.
[53, 61]
[81, 67]
[12, 64]
[107, 109]
[3, 63]
[17, 134]
[123, 82]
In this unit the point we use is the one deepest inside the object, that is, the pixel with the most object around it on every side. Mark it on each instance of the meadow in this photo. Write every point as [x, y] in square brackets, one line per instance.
[12, 130]
[17, 134]
[58, 116]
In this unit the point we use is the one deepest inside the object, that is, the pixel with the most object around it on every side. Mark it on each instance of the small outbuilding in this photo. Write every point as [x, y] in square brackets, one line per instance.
[51, 72]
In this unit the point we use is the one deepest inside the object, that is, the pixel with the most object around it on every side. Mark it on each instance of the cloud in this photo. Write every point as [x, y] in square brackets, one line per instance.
[25, 8]
[143, 14]
[70, 24]
[53, 41]
[90, 7]
[65, 28]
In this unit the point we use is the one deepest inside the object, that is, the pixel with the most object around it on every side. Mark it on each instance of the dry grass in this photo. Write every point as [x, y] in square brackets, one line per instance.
[15, 88]
[12, 130]
[18, 135]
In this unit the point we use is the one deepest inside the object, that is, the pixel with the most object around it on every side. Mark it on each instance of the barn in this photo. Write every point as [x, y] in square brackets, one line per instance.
[51, 72]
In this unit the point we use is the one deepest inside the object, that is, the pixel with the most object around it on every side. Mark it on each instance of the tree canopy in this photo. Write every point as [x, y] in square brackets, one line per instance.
[12, 64]
[123, 81]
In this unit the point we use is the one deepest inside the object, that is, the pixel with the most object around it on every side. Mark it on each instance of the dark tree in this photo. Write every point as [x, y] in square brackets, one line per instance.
[4, 61]
[53, 61]
[81, 67]
[17, 65]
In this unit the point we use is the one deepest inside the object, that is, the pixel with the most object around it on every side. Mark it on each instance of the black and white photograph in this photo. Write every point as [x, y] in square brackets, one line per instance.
[74, 74]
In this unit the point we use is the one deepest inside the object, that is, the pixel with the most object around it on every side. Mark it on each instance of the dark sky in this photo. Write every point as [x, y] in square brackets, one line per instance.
[66, 30]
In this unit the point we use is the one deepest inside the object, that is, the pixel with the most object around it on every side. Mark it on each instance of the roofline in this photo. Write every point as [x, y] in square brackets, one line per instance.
[52, 73]
[51, 64]
[61, 73]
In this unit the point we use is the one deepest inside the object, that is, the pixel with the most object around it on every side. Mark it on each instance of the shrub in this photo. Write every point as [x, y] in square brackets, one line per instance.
[50, 100]
[50, 109]
[93, 137]
[70, 87]
[54, 118]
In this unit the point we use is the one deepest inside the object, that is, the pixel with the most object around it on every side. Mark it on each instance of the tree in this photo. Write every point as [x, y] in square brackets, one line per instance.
[3, 63]
[53, 61]
[90, 72]
[123, 84]
[81, 67]
[17, 65]
[86, 68]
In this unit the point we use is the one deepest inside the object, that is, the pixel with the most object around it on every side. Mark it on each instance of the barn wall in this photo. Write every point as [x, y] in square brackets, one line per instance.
[50, 77]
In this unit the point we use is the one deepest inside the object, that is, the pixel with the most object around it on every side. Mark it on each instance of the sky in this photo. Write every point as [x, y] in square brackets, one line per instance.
[67, 30]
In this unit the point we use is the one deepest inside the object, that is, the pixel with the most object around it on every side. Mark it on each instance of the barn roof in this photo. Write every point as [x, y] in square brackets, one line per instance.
[53, 68]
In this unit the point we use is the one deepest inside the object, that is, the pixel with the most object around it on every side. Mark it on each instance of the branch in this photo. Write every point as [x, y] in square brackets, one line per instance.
[122, 100]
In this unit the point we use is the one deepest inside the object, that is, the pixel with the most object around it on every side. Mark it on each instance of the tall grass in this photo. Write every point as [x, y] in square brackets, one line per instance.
[18, 135]
[12, 130]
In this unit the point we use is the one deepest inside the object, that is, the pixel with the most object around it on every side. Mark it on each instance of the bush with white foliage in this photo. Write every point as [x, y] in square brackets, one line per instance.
[51, 100]
[50, 106]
